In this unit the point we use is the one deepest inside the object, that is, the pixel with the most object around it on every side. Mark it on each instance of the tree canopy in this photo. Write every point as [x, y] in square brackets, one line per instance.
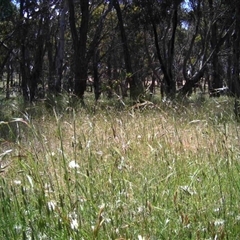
[49, 47]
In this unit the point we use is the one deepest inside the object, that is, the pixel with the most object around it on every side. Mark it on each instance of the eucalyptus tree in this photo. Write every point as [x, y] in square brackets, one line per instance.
[7, 9]
[80, 30]
[60, 46]
[235, 6]
[236, 57]
[196, 47]
[162, 19]
[208, 30]
[221, 16]
[215, 15]
[55, 44]
[135, 84]
[8, 21]
[34, 33]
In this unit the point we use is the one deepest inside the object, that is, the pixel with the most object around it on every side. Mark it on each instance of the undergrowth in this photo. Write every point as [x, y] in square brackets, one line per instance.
[154, 171]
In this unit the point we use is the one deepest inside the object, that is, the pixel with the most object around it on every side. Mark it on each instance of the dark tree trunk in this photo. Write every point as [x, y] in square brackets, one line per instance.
[80, 46]
[236, 62]
[23, 63]
[36, 73]
[8, 80]
[82, 68]
[236, 53]
[166, 63]
[80, 81]
[171, 87]
[135, 84]
[31, 61]
[82, 54]
[109, 77]
[187, 88]
[51, 66]
[6, 58]
[60, 48]
[216, 76]
[229, 68]
[96, 84]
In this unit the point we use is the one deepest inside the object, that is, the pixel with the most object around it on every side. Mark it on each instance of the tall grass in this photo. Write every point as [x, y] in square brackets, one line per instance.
[170, 171]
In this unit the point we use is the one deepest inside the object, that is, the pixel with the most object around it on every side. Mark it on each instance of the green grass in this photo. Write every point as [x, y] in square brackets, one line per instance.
[163, 171]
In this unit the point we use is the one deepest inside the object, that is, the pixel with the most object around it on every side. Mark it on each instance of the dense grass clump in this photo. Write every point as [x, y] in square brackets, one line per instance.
[153, 171]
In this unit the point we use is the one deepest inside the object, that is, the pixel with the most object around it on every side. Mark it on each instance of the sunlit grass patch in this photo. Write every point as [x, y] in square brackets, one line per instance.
[162, 173]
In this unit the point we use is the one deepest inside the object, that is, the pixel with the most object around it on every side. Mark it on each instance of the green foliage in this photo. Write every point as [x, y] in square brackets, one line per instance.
[6, 10]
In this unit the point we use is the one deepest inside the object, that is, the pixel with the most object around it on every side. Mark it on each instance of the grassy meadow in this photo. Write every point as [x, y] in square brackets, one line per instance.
[112, 171]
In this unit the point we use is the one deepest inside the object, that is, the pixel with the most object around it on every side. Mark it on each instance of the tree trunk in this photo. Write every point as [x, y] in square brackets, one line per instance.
[136, 88]
[8, 80]
[97, 90]
[166, 64]
[51, 66]
[60, 48]
[216, 76]
[80, 46]
[109, 77]
[171, 87]
[236, 53]
[23, 63]
[36, 73]
[229, 68]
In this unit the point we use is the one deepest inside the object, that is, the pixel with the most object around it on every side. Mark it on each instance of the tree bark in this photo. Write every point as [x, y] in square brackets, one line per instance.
[206, 54]
[60, 48]
[23, 63]
[136, 88]
[236, 53]
[82, 54]
[216, 76]
[96, 84]
[79, 46]
[166, 62]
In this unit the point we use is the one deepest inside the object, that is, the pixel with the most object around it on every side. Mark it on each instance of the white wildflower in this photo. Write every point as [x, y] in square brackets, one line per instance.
[167, 221]
[48, 188]
[122, 163]
[74, 224]
[100, 153]
[18, 228]
[42, 236]
[82, 199]
[28, 233]
[88, 144]
[102, 206]
[17, 182]
[72, 215]
[73, 220]
[140, 209]
[51, 205]
[219, 222]
[188, 190]
[73, 164]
